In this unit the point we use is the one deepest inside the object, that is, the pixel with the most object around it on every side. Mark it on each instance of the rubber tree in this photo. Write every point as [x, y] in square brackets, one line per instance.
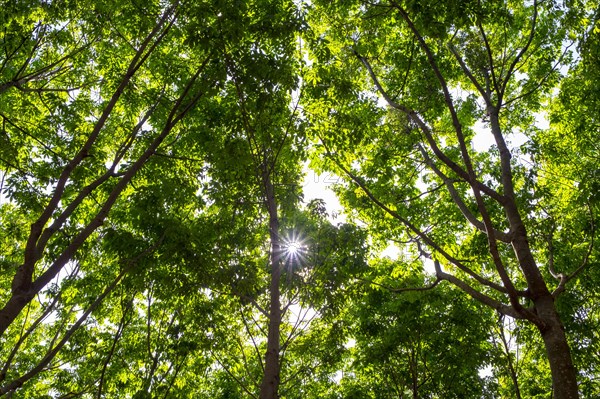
[416, 104]
[62, 200]
[85, 107]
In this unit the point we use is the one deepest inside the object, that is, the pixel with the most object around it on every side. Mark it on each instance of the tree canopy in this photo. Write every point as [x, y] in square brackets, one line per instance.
[157, 239]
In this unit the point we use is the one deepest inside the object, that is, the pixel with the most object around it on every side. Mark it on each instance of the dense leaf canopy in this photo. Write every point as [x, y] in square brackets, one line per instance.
[159, 239]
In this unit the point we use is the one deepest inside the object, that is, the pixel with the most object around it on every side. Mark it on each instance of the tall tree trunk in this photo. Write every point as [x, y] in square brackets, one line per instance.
[546, 318]
[270, 383]
[564, 376]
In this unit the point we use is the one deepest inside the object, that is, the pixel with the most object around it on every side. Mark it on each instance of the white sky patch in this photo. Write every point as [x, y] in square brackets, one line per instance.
[428, 266]
[3, 187]
[391, 251]
[487, 371]
[483, 139]
[542, 121]
[338, 376]
[300, 316]
[319, 186]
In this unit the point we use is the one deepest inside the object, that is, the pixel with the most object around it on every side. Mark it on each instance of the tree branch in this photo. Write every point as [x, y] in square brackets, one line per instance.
[473, 293]
[488, 50]
[258, 355]
[423, 235]
[469, 74]
[414, 116]
[565, 278]
[512, 66]
[400, 290]
[459, 202]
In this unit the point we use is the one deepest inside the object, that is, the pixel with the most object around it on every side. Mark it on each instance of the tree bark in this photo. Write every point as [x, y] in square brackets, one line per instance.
[564, 376]
[545, 318]
[270, 384]
[412, 358]
[13, 308]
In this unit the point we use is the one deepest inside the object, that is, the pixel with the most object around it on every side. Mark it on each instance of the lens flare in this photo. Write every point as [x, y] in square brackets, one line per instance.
[294, 247]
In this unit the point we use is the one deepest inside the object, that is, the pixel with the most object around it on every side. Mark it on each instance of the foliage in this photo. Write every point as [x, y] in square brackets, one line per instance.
[151, 164]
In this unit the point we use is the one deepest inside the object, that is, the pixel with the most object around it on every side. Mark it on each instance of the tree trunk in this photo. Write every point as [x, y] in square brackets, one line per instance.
[13, 308]
[547, 320]
[564, 376]
[270, 384]
[412, 359]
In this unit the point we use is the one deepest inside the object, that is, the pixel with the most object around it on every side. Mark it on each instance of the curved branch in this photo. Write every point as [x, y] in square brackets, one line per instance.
[447, 97]
[407, 289]
[414, 116]
[424, 236]
[473, 293]
[111, 352]
[460, 203]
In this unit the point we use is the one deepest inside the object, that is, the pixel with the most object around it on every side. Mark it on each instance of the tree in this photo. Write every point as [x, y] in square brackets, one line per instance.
[267, 177]
[151, 158]
[79, 149]
[58, 146]
[443, 71]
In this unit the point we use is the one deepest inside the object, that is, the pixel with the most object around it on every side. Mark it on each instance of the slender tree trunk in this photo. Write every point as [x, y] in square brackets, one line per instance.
[412, 359]
[270, 383]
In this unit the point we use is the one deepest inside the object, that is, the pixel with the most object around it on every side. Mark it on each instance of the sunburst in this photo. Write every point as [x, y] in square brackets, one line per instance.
[295, 247]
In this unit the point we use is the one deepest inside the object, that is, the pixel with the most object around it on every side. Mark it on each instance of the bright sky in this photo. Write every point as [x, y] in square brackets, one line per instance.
[319, 186]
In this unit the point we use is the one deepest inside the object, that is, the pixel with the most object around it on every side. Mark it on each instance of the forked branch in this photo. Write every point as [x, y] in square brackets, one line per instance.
[422, 235]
